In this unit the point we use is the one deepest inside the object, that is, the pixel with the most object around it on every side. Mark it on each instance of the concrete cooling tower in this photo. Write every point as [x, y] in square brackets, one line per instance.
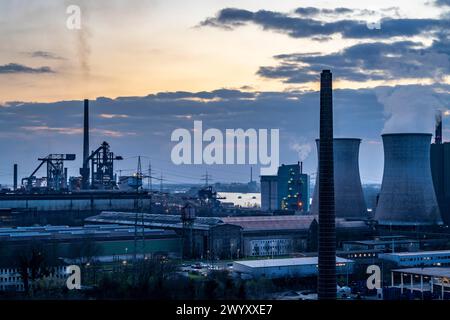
[407, 194]
[349, 198]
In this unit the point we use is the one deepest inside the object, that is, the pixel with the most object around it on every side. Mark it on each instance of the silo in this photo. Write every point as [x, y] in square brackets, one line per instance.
[349, 197]
[407, 194]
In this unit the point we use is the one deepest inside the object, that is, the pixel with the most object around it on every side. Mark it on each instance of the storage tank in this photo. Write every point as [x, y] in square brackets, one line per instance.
[407, 194]
[349, 197]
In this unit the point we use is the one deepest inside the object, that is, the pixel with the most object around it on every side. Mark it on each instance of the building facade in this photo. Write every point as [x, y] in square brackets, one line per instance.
[288, 268]
[293, 188]
[269, 193]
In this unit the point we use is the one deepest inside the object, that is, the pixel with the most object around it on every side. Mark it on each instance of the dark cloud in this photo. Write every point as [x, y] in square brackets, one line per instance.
[303, 27]
[45, 55]
[442, 3]
[311, 11]
[216, 94]
[12, 68]
[143, 125]
[366, 61]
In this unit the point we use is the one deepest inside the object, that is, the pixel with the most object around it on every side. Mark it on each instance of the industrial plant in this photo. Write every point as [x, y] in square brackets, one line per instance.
[325, 240]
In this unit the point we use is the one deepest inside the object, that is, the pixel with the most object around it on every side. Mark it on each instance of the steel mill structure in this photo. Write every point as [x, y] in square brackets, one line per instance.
[327, 227]
[349, 197]
[407, 196]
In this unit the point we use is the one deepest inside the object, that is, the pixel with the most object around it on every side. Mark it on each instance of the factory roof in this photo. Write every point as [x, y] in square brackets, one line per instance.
[154, 220]
[291, 222]
[417, 253]
[377, 242]
[111, 231]
[267, 263]
[434, 272]
[248, 223]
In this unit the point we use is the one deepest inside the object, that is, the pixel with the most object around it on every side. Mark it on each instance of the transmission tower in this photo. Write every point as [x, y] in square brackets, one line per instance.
[206, 177]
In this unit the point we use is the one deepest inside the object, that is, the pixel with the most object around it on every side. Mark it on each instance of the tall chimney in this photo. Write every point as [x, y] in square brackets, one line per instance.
[85, 170]
[438, 132]
[327, 228]
[66, 178]
[15, 177]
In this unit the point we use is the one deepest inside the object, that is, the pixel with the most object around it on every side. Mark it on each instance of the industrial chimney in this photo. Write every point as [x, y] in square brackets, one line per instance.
[84, 171]
[407, 194]
[15, 177]
[349, 197]
[440, 169]
[327, 227]
[438, 132]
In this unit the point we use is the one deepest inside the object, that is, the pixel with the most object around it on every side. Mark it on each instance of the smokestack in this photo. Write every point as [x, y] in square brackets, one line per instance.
[66, 177]
[327, 232]
[15, 177]
[438, 132]
[86, 131]
[85, 170]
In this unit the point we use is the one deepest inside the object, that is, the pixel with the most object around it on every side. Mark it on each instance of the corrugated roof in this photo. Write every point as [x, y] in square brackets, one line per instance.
[65, 232]
[291, 222]
[154, 220]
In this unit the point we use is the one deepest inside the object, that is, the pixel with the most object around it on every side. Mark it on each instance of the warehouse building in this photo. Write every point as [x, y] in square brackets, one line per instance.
[288, 268]
[210, 237]
[283, 235]
[62, 245]
[417, 259]
[234, 237]
[392, 244]
[111, 242]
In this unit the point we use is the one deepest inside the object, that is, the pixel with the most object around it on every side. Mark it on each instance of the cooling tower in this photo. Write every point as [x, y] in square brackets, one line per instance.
[349, 197]
[407, 194]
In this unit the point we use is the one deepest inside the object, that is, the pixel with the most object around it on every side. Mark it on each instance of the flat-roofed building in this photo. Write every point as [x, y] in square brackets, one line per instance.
[62, 245]
[419, 258]
[212, 238]
[237, 237]
[112, 241]
[288, 268]
[385, 245]
[283, 235]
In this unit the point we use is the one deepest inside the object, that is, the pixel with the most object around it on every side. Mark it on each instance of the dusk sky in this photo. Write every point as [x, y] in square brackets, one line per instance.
[151, 67]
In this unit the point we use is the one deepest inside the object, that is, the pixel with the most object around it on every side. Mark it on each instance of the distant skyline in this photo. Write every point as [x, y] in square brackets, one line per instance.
[150, 67]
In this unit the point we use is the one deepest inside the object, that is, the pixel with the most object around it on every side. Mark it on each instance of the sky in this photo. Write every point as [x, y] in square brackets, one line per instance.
[150, 67]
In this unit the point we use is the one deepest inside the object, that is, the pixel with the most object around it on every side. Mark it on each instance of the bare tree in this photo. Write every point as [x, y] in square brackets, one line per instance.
[32, 265]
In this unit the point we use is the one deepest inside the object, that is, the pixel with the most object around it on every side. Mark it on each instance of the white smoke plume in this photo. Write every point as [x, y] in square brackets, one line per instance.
[303, 150]
[409, 109]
